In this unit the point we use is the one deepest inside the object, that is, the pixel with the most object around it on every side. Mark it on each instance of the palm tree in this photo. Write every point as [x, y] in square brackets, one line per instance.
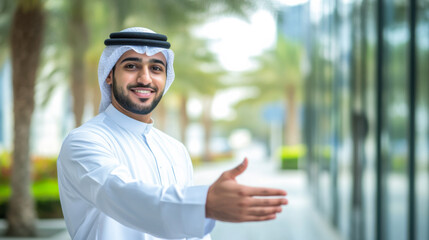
[192, 57]
[280, 75]
[6, 10]
[26, 43]
[78, 40]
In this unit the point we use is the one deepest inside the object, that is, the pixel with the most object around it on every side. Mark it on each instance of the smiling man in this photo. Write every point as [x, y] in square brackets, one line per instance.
[121, 178]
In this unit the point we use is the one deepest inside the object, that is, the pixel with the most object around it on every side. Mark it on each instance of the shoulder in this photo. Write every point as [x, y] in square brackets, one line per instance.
[98, 130]
[93, 142]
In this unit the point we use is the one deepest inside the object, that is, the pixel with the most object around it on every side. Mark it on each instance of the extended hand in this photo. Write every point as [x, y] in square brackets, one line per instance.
[231, 202]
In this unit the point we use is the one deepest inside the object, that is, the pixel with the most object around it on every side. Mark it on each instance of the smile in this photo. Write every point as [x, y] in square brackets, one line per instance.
[142, 91]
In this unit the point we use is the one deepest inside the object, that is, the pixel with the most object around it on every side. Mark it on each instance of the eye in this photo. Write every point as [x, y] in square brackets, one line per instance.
[157, 68]
[130, 66]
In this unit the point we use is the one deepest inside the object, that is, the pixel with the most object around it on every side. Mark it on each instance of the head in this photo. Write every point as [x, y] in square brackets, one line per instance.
[137, 82]
[134, 77]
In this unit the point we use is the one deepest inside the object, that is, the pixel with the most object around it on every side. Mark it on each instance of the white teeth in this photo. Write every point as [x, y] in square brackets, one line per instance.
[142, 91]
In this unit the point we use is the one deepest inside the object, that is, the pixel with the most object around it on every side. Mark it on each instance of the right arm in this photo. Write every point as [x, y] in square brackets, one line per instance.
[95, 175]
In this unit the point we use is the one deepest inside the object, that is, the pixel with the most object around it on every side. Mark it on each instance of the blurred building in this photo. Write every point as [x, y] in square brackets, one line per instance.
[5, 106]
[366, 113]
[50, 122]
[292, 22]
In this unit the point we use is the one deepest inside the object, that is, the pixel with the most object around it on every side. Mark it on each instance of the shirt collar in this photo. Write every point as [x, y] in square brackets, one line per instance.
[126, 122]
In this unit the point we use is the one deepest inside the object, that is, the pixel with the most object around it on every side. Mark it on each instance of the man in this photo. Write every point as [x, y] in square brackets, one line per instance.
[121, 178]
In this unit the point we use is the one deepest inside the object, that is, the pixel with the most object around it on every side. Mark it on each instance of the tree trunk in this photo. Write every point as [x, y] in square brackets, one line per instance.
[207, 124]
[78, 43]
[161, 116]
[26, 42]
[93, 89]
[292, 136]
[95, 99]
[184, 120]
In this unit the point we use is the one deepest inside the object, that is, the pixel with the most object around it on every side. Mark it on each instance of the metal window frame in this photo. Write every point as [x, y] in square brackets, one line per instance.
[412, 96]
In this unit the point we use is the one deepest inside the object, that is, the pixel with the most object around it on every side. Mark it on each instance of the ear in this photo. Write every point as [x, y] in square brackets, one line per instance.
[109, 79]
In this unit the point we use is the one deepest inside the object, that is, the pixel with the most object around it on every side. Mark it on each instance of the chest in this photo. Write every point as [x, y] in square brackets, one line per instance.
[153, 160]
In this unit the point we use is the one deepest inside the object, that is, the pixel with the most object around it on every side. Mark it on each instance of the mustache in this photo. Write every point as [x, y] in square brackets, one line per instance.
[139, 85]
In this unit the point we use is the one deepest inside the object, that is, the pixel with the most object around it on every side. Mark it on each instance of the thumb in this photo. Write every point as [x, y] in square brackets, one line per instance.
[233, 173]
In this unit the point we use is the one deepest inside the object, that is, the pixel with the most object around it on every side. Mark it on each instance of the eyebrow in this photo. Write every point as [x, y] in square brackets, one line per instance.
[134, 59]
[157, 61]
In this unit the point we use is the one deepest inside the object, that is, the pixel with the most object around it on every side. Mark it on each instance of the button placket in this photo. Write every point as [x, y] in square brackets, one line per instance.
[165, 167]
[157, 164]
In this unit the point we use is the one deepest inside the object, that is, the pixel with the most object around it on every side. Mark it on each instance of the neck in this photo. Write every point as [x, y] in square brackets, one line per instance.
[146, 118]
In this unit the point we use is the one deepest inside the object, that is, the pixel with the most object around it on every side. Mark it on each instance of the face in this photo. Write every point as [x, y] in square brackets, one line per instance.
[137, 82]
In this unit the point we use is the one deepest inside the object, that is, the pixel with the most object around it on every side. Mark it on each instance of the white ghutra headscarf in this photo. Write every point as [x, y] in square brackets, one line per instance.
[112, 53]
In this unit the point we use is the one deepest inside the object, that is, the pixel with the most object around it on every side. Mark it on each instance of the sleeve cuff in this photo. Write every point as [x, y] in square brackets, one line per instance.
[197, 195]
[209, 225]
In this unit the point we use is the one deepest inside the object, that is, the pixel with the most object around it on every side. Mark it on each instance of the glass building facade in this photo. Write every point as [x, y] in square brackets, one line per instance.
[5, 106]
[366, 124]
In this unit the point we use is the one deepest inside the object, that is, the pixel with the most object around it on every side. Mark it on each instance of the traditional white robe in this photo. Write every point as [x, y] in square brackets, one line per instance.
[120, 178]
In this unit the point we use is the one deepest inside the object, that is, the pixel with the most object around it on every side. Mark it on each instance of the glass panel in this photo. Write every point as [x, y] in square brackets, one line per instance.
[369, 174]
[322, 74]
[2, 101]
[343, 71]
[324, 97]
[422, 121]
[396, 118]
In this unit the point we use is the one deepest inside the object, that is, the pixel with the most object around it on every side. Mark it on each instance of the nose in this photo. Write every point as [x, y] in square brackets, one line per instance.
[144, 77]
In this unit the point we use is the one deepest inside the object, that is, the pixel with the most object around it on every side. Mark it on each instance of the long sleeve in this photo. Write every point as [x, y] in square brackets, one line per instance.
[89, 168]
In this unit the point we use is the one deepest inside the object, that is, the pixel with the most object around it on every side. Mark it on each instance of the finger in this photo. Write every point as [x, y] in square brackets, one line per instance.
[264, 211]
[259, 218]
[266, 202]
[233, 173]
[255, 191]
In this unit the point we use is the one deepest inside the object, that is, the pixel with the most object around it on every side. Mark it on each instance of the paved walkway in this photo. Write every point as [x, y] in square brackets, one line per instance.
[48, 229]
[299, 219]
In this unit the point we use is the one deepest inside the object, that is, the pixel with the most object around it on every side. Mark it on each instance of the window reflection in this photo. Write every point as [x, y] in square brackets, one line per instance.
[422, 121]
[341, 88]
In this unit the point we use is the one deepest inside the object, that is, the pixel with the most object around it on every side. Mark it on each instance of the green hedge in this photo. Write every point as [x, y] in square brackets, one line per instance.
[46, 197]
[43, 167]
[46, 208]
[290, 155]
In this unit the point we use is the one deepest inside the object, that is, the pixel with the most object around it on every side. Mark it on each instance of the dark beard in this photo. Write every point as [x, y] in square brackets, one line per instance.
[128, 105]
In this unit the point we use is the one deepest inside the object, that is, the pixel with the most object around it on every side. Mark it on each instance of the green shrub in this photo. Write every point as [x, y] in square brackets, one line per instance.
[324, 156]
[46, 197]
[399, 163]
[45, 208]
[43, 167]
[43, 189]
[215, 157]
[5, 163]
[290, 155]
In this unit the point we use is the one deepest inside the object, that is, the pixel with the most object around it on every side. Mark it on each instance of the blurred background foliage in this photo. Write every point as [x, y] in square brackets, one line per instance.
[73, 40]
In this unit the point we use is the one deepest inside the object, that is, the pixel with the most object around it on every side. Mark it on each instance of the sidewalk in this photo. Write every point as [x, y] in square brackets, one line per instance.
[299, 219]
[48, 229]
